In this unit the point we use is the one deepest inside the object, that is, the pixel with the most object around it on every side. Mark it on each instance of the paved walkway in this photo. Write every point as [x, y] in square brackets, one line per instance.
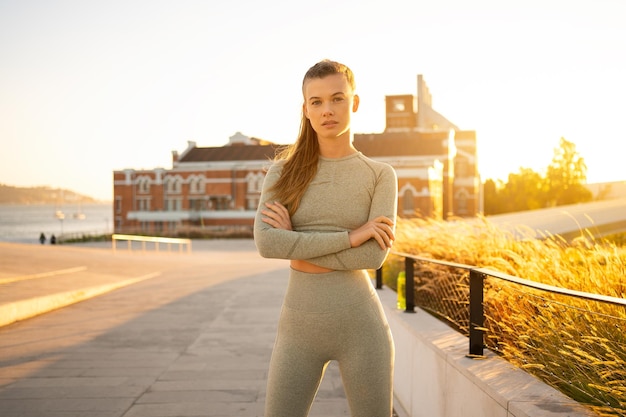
[168, 334]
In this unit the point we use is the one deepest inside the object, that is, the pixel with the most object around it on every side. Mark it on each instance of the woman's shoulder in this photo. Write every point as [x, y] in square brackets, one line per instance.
[375, 165]
[275, 166]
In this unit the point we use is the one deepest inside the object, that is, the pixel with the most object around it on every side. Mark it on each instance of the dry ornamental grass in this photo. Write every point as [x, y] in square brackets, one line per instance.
[576, 345]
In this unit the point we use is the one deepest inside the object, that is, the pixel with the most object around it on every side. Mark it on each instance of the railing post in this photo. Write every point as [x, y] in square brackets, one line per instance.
[379, 278]
[476, 314]
[409, 287]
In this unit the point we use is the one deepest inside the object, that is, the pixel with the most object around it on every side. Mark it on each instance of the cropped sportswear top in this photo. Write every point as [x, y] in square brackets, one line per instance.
[344, 194]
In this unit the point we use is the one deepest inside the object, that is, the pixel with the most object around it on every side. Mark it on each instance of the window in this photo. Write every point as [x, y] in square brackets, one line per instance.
[143, 185]
[196, 204]
[255, 182]
[173, 185]
[253, 203]
[219, 203]
[143, 204]
[196, 185]
[173, 204]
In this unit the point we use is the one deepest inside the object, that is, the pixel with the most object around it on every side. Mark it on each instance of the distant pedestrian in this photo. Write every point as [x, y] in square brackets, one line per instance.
[42, 238]
[53, 240]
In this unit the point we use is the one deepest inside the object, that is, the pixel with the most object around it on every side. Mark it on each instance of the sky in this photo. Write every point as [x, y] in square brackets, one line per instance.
[90, 87]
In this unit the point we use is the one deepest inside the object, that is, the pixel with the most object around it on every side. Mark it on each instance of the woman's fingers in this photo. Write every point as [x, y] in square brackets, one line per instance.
[380, 229]
[277, 216]
[384, 235]
[385, 225]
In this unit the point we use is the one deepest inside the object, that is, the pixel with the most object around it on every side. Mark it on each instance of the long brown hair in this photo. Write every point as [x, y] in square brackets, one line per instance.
[300, 160]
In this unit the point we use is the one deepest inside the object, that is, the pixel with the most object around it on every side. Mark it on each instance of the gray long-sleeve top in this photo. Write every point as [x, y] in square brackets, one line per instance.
[345, 194]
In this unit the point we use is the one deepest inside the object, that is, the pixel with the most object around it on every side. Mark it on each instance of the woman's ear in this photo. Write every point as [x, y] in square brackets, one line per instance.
[304, 112]
[355, 103]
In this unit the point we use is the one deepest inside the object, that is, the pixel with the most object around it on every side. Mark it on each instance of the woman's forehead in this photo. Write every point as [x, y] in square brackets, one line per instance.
[326, 86]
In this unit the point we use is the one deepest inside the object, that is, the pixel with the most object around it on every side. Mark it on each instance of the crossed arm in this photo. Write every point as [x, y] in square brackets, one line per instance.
[365, 247]
[380, 229]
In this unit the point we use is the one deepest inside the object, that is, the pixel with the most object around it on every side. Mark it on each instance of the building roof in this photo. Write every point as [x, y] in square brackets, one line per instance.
[408, 143]
[230, 153]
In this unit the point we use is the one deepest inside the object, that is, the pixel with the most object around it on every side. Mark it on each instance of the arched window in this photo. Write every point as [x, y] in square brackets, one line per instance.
[196, 185]
[173, 184]
[255, 182]
[143, 185]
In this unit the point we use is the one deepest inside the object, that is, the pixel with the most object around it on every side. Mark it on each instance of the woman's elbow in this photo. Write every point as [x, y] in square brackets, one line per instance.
[265, 245]
[264, 249]
[377, 261]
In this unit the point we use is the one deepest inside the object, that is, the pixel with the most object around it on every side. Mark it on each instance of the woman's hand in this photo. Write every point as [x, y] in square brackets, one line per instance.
[277, 216]
[380, 229]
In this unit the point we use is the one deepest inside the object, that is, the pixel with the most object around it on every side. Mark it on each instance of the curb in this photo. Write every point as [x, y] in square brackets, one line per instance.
[25, 309]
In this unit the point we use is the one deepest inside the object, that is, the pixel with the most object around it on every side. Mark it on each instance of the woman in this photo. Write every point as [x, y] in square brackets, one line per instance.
[331, 211]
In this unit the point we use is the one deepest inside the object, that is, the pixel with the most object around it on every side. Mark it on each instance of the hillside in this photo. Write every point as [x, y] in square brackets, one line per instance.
[40, 195]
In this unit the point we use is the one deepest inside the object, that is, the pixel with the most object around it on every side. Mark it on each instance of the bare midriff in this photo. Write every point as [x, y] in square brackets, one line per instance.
[308, 267]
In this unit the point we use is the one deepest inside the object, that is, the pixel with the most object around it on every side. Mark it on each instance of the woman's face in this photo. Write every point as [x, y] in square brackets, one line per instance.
[328, 104]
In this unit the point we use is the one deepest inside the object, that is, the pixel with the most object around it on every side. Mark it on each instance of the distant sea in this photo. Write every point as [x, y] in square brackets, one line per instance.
[24, 223]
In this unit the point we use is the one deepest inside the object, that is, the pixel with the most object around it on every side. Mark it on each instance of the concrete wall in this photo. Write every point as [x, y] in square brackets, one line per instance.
[434, 378]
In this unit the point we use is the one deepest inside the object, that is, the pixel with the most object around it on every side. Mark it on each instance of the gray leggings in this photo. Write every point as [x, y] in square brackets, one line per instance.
[331, 316]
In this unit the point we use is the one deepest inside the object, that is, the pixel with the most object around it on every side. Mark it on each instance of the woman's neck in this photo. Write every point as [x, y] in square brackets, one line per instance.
[336, 147]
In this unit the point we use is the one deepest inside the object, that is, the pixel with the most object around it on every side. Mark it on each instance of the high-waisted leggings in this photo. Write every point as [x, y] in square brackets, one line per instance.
[331, 316]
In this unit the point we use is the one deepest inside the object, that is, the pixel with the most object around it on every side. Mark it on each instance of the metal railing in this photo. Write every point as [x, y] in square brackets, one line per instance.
[169, 241]
[476, 294]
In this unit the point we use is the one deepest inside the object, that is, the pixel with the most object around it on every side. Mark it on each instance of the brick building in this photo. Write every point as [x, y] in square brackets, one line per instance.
[435, 161]
[217, 189]
[207, 190]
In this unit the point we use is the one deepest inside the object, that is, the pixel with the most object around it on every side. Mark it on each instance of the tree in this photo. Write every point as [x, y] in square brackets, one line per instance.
[523, 191]
[566, 176]
[528, 190]
[493, 201]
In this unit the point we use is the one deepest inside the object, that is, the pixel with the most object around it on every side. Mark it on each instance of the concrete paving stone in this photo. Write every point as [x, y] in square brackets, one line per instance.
[51, 413]
[330, 408]
[195, 409]
[72, 392]
[208, 385]
[6, 381]
[23, 369]
[199, 396]
[108, 362]
[38, 382]
[227, 360]
[227, 374]
[14, 407]
[56, 372]
[122, 371]
[37, 413]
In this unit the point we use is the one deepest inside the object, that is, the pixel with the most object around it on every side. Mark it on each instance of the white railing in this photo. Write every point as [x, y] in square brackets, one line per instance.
[152, 239]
